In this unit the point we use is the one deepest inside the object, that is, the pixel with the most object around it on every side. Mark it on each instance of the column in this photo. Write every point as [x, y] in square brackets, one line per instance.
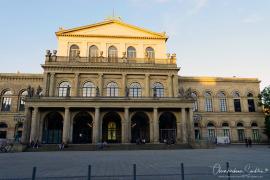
[66, 126]
[96, 126]
[175, 85]
[45, 84]
[170, 85]
[191, 126]
[26, 125]
[156, 126]
[76, 85]
[125, 128]
[51, 88]
[100, 84]
[124, 84]
[178, 129]
[184, 125]
[33, 135]
[147, 94]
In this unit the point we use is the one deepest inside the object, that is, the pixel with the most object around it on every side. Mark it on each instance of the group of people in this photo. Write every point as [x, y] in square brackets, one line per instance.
[248, 142]
[35, 144]
[140, 141]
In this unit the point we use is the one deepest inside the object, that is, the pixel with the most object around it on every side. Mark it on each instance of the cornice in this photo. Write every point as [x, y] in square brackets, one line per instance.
[217, 79]
[113, 36]
[19, 76]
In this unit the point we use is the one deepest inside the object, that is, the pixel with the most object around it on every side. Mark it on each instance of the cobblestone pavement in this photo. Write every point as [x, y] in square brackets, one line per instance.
[151, 164]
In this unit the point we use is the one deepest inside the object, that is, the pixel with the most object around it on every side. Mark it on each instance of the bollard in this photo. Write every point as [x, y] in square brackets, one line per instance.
[227, 167]
[134, 171]
[182, 172]
[89, 172]
[34, 173]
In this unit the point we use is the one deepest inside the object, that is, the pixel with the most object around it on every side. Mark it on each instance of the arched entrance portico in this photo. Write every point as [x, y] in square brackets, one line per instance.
[111, 128]
[140, 127]
[82, 128]
[52, 128]
[167, 127]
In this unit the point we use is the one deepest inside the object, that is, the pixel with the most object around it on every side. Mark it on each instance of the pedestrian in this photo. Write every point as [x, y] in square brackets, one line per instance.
[246, 142]
[249, 142]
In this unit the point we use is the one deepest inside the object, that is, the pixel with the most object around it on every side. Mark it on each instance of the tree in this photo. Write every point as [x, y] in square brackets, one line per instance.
[264, 100]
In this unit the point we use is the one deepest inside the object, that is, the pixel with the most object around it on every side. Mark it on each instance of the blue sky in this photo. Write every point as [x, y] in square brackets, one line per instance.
[210, 37]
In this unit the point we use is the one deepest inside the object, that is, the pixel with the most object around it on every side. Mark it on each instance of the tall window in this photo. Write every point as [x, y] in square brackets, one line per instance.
[208, 102]
[150, 53]
[3, 130]
[93, 53]
[112, 54]
[222, 102]
[112, 89]
[226, 129]
[111, 131]
[89, 89]
[22, 103]
[74, 52]
[158, 90]
[6, 101]
[135, 90]
[255, 132]
[211, 132]
[251, 104]
[195, 104]
[240, 132]
[64, 89]
[131, 52]
[236, 102]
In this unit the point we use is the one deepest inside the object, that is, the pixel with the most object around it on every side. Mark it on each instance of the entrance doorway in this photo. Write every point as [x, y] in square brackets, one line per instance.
[82, 128]
[111, 128]
[52, 128]
[167, 127]
[140, 127]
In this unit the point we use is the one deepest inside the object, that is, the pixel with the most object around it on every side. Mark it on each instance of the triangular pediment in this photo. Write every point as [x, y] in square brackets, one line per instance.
[111, 28]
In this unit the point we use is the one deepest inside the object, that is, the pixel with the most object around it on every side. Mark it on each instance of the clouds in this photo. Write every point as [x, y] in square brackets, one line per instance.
[198, 6]
[253, 18]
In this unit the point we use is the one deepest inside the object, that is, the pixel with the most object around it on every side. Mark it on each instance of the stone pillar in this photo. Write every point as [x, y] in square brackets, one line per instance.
[51, 88]
[156, 126]
[45, 84]
[147, 85]
[66, 126]
[191, 126]
[184, 125]
[124, 84]
[170, 85]
[125, 128]
[178, 129]
[175, 85]
[26, 126]
[96, 125]
[100, 84]
[76, 84]
[34, 123]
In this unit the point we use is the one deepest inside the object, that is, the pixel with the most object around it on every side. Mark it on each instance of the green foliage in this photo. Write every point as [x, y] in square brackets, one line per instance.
[264, 98]
[267, 126]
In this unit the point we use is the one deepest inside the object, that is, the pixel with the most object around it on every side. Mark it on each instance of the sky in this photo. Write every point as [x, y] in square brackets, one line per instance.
[223, 38]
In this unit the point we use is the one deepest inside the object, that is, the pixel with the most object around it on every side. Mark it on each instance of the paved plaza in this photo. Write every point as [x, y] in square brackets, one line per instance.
[151, 164]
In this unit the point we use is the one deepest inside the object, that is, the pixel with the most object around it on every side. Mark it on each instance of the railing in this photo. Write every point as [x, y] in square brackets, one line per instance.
[99, 60]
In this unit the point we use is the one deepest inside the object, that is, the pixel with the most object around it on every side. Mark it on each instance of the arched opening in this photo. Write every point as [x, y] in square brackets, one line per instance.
[74, 52]
[3, 130]
[82, 128]
[112, 54]
[18, 131]
[52, 128]
[93, 53]
[255, 132]
[240, 132]
[167, 127]
[226, 129]
[111, 128]
[140, 129]
[211, 132]
[131, 52]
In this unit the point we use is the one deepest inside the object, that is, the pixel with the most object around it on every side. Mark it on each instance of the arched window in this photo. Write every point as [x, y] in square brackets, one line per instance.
[112, 54]
[226, 129]
[112, 89]
[195, 104]
[3, 130]
[236, 101]
[240, 132]
[222, 102]
[211, 132]
[89, 89]
[131, 52]
[74, 52]
[208, 102]
[255, 132]
[93, 53]
[6, 101]
[158, 90]
[150, 53]
[135, 90]
[22, 103]
[64, 89]
[251, 103]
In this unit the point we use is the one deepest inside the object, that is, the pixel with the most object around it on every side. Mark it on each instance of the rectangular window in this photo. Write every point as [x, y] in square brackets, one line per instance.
[223, 105]
[241, 135]
[237, 105]
[226, 132]
[251, 105]
[88, 91]
[255, 135]
[208, 105]
[195, 106]
[6, 104]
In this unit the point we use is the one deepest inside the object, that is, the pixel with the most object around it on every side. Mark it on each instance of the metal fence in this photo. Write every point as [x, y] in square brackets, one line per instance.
[180, 173]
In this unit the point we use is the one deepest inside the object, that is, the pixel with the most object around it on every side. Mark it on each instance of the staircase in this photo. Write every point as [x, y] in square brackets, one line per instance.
[108, 147]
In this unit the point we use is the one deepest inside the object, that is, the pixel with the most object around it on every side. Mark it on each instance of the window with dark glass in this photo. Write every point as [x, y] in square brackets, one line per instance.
[6, 101]
[236, 102]
[3, 130]
[251, 104]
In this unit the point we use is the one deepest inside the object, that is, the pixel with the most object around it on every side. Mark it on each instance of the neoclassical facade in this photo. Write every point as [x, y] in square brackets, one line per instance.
[115, 82]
